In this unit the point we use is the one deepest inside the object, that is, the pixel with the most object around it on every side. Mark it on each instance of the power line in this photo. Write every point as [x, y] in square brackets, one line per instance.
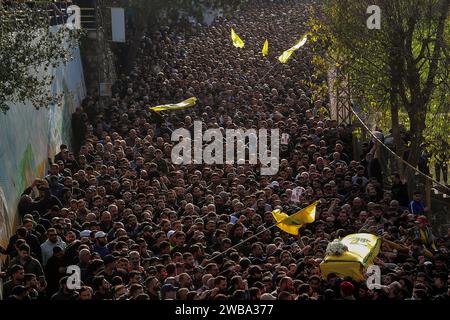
[396, 155]
[346, 91]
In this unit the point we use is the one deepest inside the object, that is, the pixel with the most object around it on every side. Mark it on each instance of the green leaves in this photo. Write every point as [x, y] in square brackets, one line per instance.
[28, 48]
[405, 64]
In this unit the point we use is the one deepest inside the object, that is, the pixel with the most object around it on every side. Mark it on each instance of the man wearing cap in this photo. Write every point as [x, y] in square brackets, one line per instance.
[19, 293]
[423, 232]
[168, 292]
[274, 185]
[110, 269]
[85, 236]
[100, 244]
[347, 290]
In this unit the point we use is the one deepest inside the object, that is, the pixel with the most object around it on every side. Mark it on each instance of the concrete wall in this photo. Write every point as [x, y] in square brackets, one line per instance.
[28, 137]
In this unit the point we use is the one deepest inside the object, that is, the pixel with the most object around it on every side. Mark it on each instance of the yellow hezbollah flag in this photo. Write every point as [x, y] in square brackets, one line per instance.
[291, 224]
[237, 42]
[362, 248]
[265, 49]
[287, 54]
[184, 104]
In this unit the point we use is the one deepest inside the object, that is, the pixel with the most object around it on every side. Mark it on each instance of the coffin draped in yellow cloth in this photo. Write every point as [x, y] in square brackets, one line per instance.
[362, 250]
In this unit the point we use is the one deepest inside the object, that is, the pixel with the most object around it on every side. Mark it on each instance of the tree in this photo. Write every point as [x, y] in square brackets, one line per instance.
[28, 49]
[402, 67]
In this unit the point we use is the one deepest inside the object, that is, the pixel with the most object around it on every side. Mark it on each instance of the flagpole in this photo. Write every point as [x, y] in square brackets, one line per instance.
[301, 241]
[242, 242]
[255, 235]
[271, 67]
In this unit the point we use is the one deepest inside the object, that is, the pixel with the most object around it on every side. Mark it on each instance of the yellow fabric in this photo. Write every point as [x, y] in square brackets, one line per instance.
[353, 270]
[292, 224]
[182, 105]
[265, 49]
[287, 54]
[428, 253]
[237, 42]
[362, 250]
[423, 236]
[280, 216]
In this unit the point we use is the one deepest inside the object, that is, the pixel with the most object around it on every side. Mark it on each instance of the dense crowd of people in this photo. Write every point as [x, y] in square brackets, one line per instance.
[142, 228]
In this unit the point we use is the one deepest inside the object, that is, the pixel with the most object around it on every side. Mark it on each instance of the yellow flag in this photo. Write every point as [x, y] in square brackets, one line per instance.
[291, 224]
[237, 42]
[265, 49]
[287, 54]
[182, 105]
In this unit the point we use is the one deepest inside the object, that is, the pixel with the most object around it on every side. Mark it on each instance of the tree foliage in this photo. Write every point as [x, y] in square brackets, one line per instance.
[28, 49]
[400, 71]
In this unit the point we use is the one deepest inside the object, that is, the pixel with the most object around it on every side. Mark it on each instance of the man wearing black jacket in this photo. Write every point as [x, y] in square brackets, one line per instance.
[29, 238]
[42, 203]
[55, 270]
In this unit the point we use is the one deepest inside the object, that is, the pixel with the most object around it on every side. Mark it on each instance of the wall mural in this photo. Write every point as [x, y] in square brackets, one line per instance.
[29, 137]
